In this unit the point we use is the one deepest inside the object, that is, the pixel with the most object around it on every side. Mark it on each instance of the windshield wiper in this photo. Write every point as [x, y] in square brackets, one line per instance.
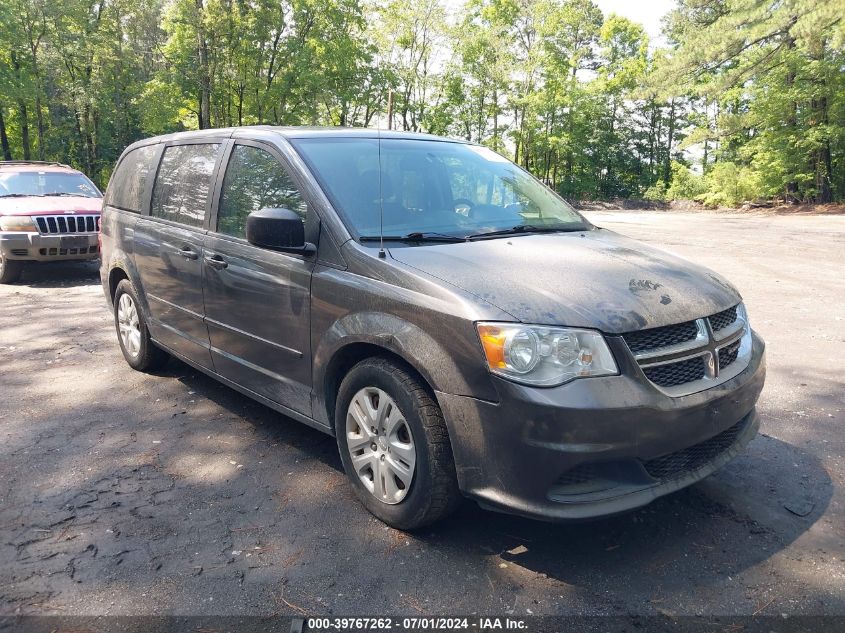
[64, 193]
[416, 236]
[525, 228]
[14, 195]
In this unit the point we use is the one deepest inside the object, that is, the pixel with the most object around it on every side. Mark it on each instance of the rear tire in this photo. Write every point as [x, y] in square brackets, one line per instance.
[10, 270]
[399, 429]
[132, 333]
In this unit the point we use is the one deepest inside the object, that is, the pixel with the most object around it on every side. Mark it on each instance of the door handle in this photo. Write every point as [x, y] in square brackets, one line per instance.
[215, 261]
[188, 253]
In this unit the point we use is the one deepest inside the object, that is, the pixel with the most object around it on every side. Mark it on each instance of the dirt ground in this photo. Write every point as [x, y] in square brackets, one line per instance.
[124, 493]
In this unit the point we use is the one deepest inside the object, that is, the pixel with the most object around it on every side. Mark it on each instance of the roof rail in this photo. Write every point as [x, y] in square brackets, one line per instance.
[54, 163]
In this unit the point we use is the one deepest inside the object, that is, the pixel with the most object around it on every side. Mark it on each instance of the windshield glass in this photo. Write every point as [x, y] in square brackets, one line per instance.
[424, 186]
[44, 183]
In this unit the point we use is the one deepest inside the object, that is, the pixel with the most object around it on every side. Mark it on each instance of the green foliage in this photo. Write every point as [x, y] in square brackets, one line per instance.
[753, 92]
[686, 184]
[656, 192]
[163, 108]
[770, 78]
[729, 185]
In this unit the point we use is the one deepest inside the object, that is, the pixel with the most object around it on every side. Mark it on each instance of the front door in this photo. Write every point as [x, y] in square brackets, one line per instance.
[169, 249]
[257, 301]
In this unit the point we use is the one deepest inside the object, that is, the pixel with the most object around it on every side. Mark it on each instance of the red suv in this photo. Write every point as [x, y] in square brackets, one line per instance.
[48, 212]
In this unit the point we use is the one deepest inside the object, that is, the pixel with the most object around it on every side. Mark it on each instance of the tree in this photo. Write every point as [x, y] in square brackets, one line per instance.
[751, 90]
[775, 72]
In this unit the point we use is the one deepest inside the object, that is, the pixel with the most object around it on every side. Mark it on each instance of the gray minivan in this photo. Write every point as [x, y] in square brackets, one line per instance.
[456, 325]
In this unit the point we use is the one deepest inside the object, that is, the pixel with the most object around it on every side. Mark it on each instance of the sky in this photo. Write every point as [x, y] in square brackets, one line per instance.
[646, 12]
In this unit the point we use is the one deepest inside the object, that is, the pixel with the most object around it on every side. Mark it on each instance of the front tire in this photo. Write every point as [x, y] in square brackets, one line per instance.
[10, 270]
[132, 333]
[394, 445]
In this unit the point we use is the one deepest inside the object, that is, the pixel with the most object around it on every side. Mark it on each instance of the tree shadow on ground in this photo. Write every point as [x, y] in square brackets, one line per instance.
[173, 493]
[60, 274]
[686, 543]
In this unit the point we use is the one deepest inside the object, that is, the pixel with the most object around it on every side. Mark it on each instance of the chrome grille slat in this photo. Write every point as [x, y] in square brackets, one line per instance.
[673, 339]
[728, 354]
[68, 224]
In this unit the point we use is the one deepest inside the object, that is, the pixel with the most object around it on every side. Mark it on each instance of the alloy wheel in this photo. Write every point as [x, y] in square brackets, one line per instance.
[380, 445]
[129, 325]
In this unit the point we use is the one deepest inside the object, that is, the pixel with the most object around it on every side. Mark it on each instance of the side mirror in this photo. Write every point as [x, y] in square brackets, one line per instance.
[279, 230]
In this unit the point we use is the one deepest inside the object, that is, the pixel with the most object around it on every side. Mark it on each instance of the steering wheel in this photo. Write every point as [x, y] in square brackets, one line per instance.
[467, 205]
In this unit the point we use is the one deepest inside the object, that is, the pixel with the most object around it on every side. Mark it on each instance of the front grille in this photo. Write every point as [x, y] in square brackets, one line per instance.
[727, 355]
[680, 358]
[20, 252]
[647, 340]
[679, 463]
[678, 373]
[67, 224]
[721, 320]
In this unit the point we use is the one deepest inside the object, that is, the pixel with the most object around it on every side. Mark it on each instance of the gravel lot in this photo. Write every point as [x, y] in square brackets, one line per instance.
[123, 493]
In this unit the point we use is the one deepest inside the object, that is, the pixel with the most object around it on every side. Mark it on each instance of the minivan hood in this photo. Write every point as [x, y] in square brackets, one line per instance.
[40, 205]
[593, 279]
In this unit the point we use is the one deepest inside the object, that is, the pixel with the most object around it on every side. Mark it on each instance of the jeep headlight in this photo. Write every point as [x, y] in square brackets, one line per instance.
[22, 223]
[545, 356]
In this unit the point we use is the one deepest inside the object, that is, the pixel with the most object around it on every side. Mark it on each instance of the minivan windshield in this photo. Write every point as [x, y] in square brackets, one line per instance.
[46, 183]
[433, 189]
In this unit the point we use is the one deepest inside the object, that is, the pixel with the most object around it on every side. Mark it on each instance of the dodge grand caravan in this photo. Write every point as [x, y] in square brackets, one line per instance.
[457, 326]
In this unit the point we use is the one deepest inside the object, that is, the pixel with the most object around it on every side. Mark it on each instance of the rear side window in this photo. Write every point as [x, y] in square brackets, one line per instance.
[129, 181]
[180, 193]
[254, 180]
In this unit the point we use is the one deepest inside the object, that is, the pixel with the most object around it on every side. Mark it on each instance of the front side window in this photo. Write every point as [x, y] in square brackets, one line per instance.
[46, 183]
[254, 180]
[180, 193]
[128, 182]
[419, 186]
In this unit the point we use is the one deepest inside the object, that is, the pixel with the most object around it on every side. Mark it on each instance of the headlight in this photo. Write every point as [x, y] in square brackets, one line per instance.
[745, 346]
[17, 223]
[544, 356]
[742, 313]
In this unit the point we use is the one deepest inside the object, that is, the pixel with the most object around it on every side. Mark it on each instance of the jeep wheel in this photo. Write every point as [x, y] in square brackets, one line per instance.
[10, 270]
[394, 445]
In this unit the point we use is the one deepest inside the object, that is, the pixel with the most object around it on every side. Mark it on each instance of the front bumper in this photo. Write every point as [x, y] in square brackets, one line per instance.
[47, 248]
[597, 446]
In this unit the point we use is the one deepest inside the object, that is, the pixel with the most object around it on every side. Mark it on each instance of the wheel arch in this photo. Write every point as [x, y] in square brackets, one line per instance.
[120, 269]
[363, 335]
[350, 355]
[116, 275]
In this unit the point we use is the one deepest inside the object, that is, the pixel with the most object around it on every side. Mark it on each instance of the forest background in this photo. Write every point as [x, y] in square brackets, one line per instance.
[737, 101]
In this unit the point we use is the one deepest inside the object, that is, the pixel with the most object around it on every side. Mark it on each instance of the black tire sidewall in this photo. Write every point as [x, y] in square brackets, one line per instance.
[414, 506]
[10, 270]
